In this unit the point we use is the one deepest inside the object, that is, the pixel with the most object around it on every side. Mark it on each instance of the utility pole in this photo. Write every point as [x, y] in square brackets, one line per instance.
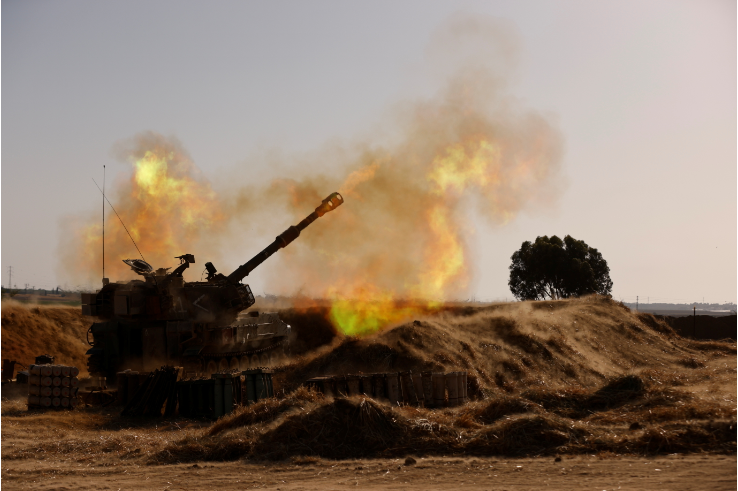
[10, 277]
[694, 322]
[636, 303]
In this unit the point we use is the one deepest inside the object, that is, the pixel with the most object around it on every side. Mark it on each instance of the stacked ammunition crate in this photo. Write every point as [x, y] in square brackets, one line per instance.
[148, 394]
[428, 389]
[196, 397]
[52, 386]
[127, 383]
[256, 385]
[220, 394]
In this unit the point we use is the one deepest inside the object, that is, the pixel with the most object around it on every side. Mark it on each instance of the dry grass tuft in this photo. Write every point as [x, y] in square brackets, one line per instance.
[266, 410]
[658, 325]
[727, 346]
[489, 412]
[525, 435]
[305, 460]
[339, 429]
[579, 402]
[692, 362]
[720, 436]
[664, 377]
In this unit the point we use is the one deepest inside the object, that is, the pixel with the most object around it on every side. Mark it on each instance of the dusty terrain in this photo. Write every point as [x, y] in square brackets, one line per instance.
[622, 400]
[30, 330]
[671, 473]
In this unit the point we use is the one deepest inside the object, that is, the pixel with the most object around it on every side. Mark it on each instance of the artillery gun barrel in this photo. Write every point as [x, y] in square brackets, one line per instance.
[329, 204]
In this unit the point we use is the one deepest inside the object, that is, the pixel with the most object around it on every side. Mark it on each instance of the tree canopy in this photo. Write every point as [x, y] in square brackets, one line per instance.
[554, 268]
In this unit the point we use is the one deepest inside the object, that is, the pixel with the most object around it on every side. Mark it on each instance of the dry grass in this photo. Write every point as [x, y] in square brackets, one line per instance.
[306, 427]
[536, 422]
[725, 347]
[692, 362]
[31, 330]
[566, 377]
[265, 410]
[576, 342]
[488, 412]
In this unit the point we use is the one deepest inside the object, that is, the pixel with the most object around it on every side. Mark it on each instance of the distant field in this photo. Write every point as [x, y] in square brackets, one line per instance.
[72, 299]
[684, 313]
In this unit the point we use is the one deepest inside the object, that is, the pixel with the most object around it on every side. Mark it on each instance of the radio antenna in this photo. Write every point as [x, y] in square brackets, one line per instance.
[103, 226]
[119, 218]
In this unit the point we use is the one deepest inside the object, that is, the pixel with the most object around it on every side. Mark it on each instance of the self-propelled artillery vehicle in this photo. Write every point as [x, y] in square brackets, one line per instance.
[200, 325]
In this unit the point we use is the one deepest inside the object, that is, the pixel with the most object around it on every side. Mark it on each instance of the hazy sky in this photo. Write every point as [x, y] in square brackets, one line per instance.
[643, 93]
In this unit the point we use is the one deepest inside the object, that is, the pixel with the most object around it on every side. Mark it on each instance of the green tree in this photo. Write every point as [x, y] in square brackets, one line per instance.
[554, 268]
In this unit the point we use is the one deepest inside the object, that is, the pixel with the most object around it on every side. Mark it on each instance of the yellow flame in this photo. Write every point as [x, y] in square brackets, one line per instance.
[165, 209]
[191, 199]
[366, 309]
[444, 255]
[464, 165]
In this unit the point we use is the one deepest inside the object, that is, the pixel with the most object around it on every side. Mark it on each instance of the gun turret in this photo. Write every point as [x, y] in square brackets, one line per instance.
[329, 204]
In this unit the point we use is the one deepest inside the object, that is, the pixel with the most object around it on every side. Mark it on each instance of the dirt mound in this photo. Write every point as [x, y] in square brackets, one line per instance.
[265, 410]
[31, 330]
[577, 403]
[613, 418]
[495, 409]
[312, 327]
[579, 342]
[340, 428]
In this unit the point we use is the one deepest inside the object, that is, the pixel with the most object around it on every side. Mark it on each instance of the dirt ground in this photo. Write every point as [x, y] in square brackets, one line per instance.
[92, 448]
[619, 398]
[672, 472]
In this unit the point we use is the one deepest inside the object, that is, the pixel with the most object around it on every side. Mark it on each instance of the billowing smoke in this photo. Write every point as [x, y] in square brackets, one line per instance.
[165, 204]
[401, 240]
[400, 243]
